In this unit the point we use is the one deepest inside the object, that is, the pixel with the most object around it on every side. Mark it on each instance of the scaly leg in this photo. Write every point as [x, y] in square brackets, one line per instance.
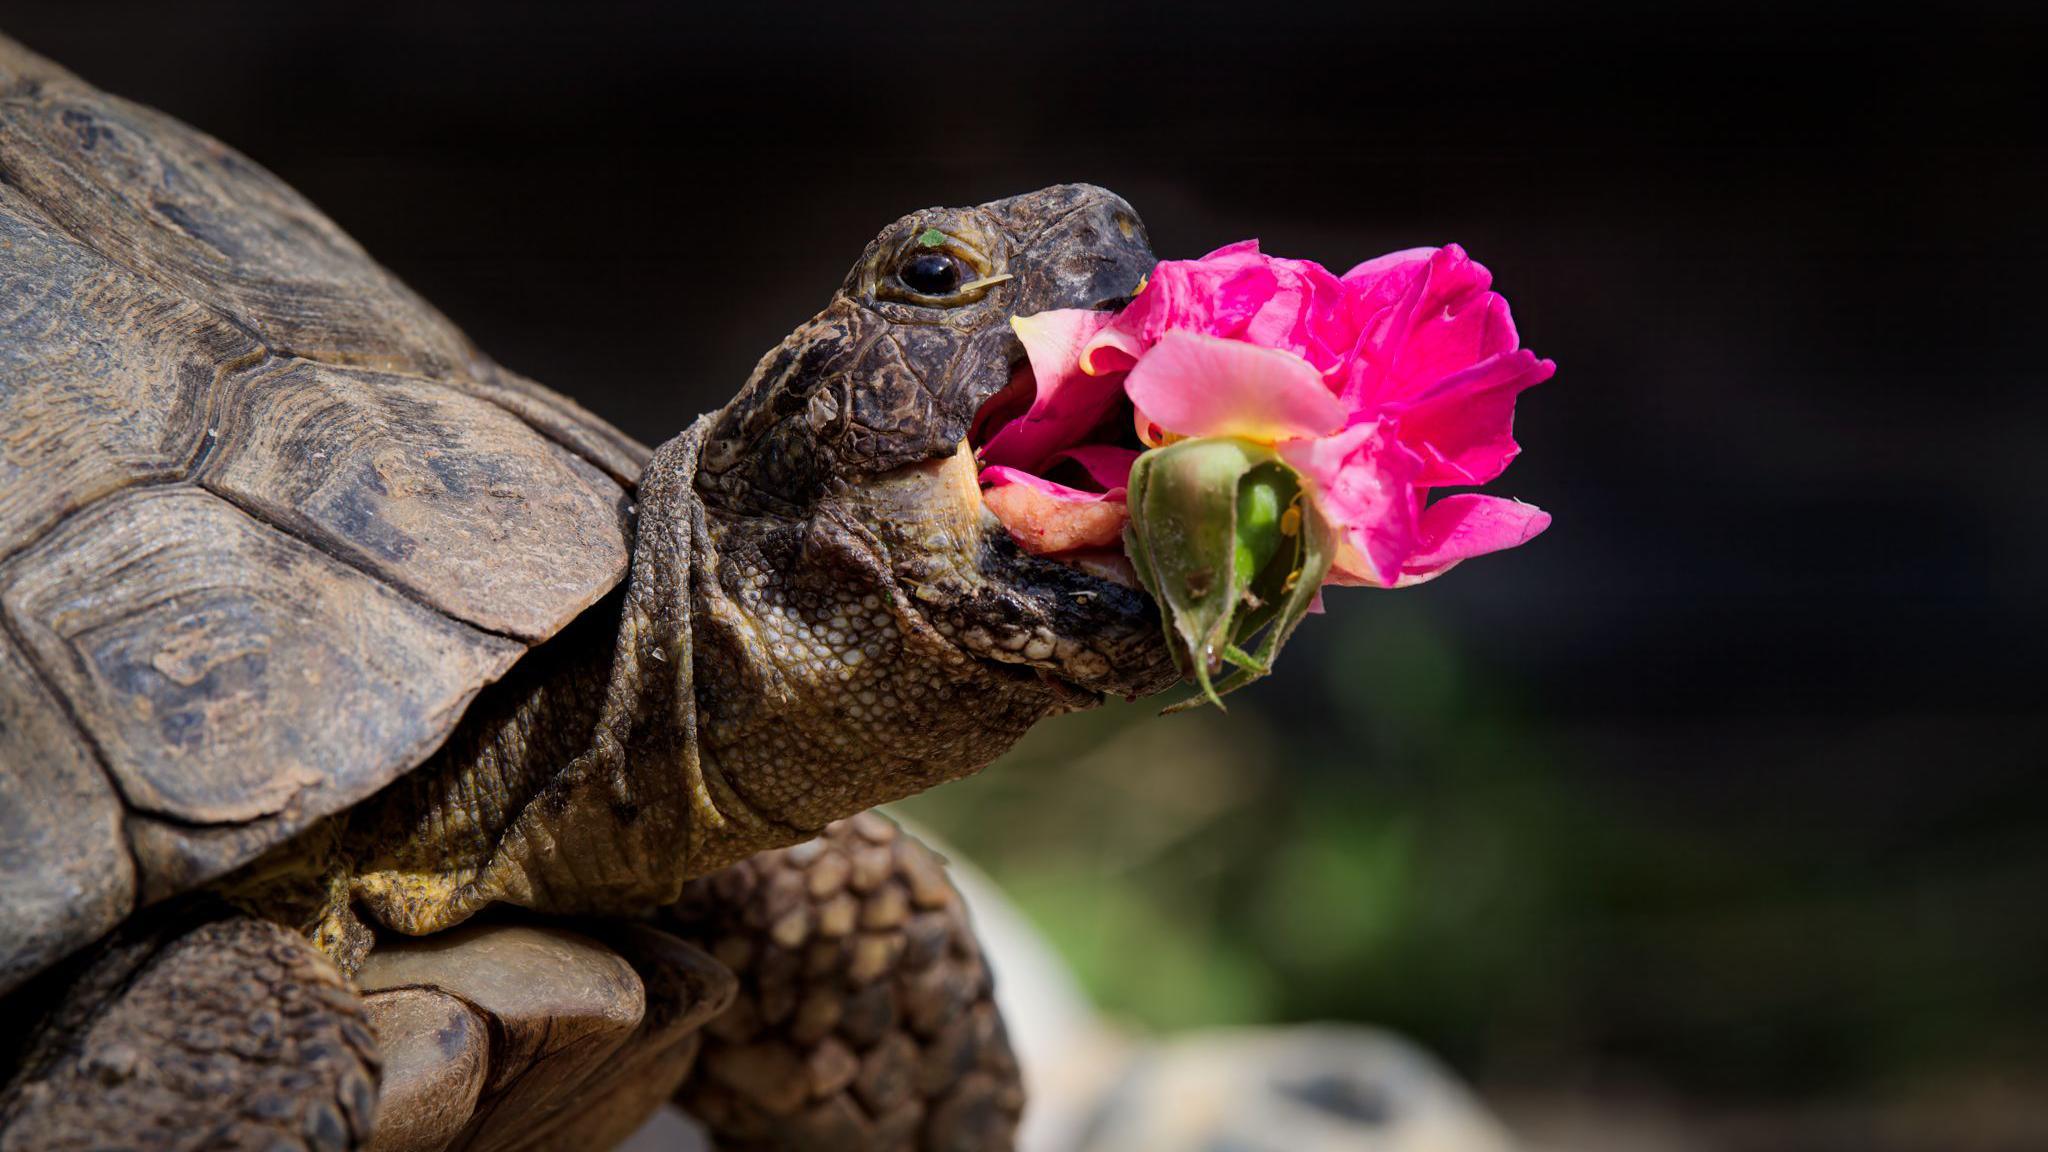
[865, 1020]
[233, 1035]
[864, 1023]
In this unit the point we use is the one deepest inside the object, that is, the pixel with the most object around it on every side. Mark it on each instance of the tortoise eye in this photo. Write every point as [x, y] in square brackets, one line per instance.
[932, 273]
[935, 269]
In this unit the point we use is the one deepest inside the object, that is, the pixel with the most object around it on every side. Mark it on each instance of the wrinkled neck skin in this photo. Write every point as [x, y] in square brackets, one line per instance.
[766, 676]
[828, 674]
[806, 681]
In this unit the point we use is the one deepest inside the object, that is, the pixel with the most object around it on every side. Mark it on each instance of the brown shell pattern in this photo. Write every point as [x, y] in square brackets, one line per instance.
[268, 521]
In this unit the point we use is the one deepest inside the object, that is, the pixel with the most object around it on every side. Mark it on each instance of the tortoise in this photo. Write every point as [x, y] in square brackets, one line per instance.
[364, 704]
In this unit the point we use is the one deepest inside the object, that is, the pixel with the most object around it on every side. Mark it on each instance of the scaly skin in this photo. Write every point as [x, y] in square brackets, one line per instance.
[865, 1019]
[156, 1026]
[820, 617]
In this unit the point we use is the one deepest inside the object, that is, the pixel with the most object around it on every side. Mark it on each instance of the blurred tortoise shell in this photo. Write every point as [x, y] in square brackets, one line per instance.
[268, 521]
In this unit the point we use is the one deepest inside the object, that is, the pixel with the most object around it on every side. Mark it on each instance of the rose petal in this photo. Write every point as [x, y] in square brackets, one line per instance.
[1465, 427]
[1386, 278]
[1421, 320]
[1241, 248]
[1364, 485]
[1306, 315]
[1214, 296]
[1045, 518]
[1106, 464]
[1205, 386]
[1069, 403]
[1110, 350]
[1460, 527]
[1294, 305]
[1002, 476]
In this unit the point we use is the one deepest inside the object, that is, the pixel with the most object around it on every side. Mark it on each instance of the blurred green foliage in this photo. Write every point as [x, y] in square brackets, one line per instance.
[1383, 833]
[1384, 863]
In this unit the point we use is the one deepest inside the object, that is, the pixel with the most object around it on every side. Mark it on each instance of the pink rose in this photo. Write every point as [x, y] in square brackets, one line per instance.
[1377, 386]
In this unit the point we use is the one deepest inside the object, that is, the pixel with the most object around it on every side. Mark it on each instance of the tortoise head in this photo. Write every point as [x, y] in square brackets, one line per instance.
[863, 627]
[861, 419]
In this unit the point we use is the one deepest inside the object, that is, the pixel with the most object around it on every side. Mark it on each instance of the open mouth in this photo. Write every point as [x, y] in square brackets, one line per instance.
[1053, 465]
[1050, 596]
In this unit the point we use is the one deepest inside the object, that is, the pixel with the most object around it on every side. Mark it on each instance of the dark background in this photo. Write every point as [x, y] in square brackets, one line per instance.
[1721, 799]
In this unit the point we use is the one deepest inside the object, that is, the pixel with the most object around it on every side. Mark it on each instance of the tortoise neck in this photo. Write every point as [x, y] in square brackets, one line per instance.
[757, 678]
[572, 785]
[487, 817]
[820, 687]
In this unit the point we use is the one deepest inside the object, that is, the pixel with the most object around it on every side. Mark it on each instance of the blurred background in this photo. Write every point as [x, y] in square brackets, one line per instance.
[1712, 819]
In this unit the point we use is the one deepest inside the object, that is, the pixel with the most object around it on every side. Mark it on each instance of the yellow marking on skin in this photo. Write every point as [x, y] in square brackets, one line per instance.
[962, 472]
[700, 800]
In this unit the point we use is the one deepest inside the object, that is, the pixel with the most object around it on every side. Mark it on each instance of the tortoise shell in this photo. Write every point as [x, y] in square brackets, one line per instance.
[268, 521]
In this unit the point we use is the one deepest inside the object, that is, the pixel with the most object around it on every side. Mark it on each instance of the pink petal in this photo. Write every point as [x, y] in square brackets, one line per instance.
[1048, 519]
[1294, 305]
[1105, 464]
[1111, 350]
[1363, 483]
[1001, 475]
[1389, 275]
[1205, 386]
[1215, 295]
[1305, 314]
[1464, 428]
[1241, 248]
[1069, 403]
[1438, 349]
[1460, 527]
[1428, 319]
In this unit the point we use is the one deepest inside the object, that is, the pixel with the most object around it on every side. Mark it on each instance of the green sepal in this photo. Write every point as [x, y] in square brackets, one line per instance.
[1282, 615]
[1224, 540]
[1183, 501]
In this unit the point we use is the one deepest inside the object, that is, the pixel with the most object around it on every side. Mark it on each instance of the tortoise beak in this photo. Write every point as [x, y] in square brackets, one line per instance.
[1075, 246]
[1082, 250]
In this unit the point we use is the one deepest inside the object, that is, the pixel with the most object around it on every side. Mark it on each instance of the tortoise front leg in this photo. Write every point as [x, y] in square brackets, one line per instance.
[864, 1022]
[522, 1036]
[866, 1018]
[233, 1035]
